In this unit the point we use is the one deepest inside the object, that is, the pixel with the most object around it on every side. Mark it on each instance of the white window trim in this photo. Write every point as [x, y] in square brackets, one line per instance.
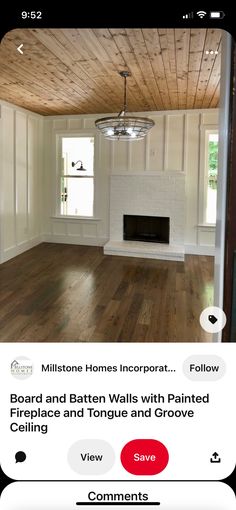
[203, 177]
[58, 170]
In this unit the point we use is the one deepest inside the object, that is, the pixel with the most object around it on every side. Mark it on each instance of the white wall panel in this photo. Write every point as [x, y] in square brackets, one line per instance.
[21, 180]
[60, 123]
[21, 177]
[210, 117]
[89, 230]
[156, 147]
[174, 145]
[74, 229]
[89, 122]
[75, 123]
[192, 177]
[138, 155]
[33, 178]
[59, 228]
[120, 155]
[8, 180]
[206, 237]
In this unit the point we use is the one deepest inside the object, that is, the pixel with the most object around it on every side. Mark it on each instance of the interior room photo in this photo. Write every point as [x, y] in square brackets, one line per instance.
[108, 184]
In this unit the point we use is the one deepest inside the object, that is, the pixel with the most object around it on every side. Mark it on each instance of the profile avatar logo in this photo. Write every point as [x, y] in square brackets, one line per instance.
[21, 367]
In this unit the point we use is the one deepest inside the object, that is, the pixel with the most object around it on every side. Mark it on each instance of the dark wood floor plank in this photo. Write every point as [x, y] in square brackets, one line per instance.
[72, 293]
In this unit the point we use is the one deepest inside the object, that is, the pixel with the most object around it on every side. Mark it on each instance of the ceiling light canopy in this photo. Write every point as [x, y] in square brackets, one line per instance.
[124, 127]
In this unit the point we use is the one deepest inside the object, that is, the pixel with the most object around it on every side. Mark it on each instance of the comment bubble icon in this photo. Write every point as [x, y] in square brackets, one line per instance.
[20, 457]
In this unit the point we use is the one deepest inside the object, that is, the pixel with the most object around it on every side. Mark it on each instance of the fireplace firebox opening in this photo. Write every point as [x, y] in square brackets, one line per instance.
[152, 229]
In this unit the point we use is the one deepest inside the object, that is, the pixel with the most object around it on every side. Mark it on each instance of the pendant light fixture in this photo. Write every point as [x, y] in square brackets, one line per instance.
[124, 127]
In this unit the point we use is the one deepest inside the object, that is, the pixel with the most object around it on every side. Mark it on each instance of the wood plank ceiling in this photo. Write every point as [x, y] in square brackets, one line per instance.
[76, 71]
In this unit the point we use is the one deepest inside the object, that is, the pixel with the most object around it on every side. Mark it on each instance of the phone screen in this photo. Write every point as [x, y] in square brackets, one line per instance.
[117, 259]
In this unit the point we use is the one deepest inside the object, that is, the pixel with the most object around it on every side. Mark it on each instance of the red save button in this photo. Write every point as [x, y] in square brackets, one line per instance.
[144, 457]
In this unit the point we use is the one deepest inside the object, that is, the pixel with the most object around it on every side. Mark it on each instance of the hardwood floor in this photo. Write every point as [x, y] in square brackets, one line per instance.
[74, 293]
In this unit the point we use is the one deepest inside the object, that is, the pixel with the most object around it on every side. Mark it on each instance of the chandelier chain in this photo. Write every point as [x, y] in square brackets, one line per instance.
[125, 94]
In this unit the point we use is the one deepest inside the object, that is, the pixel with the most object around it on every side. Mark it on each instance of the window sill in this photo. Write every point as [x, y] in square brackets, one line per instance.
[209, 226]
[75, 218]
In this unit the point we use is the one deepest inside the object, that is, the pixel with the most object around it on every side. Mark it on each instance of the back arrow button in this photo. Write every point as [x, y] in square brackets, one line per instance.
[19, 49]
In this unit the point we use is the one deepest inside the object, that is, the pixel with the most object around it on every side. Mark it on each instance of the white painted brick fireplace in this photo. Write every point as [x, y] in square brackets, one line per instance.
[147, 195]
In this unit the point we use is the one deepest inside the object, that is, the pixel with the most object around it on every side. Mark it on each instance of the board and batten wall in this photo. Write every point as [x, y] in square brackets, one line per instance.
[28, 165]
[20, 180]
[174, 144]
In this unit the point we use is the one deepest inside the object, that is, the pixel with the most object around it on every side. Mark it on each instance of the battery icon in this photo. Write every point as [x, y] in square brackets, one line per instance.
[217, 14]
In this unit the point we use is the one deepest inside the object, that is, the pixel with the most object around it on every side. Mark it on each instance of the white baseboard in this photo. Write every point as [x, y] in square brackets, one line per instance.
[190, 249]
[12, 252]
[193, 249]
[84, 241]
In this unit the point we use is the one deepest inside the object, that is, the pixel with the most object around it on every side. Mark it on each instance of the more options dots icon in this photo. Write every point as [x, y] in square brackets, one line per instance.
[213, 319]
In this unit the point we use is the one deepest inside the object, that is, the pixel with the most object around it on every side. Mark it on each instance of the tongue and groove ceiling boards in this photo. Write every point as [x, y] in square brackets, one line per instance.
[76, 71]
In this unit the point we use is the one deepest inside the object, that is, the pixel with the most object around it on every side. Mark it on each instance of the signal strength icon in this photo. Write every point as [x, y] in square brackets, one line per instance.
[201, 14]
[188, 16]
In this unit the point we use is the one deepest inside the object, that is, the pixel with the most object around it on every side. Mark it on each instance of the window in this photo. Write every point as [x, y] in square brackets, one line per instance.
[77, 185]
[211, 171]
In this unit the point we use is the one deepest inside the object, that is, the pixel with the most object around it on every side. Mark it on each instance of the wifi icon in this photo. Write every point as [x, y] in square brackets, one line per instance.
[201, 14]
